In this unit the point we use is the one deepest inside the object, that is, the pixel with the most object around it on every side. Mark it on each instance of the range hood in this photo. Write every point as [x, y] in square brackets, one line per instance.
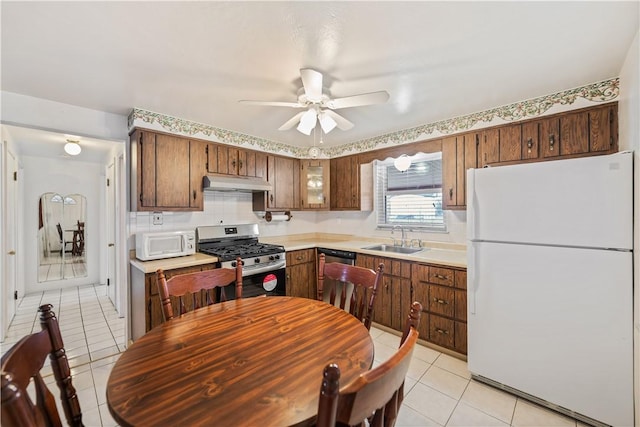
[245, 184]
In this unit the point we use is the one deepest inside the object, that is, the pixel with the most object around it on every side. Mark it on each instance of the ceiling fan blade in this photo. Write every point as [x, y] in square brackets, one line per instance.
[343, 124]
[358, 100]
[272, 103]
[292, 121]
[312, 82]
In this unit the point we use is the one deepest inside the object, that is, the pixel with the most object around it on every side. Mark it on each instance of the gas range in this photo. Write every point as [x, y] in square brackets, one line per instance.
[229, 242]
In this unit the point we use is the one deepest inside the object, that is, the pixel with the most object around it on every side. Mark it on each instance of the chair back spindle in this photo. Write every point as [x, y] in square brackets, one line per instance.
[196, 286]
[360, 298]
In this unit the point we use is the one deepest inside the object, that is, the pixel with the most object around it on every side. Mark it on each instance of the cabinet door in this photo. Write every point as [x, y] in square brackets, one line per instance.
[298, 281]
[286, 189]
[172, 172]
[529, 140]
[223, 159]
[574, 133]
[549, 137]
[489, 147]
[232, 161]
[314, 184]
[212, 158]
[510, 143]
[601, 130]
[198, 168]
[249, 160]
[146, 170]
[261, 165]
[344, 183]
[449, 172]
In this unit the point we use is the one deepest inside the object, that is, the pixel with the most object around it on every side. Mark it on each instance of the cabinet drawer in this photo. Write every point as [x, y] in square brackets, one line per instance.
[460, 279]
[300, 257]
[441, 300]
[441, 276]
[441, 331]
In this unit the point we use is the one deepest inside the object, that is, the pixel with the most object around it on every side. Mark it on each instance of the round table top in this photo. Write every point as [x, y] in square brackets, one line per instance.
[252, 361]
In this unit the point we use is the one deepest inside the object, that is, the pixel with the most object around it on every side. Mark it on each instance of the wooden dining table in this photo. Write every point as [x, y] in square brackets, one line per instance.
[245, 362]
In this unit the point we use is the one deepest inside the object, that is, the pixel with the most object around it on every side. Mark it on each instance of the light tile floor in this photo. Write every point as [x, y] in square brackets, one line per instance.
[438, 388]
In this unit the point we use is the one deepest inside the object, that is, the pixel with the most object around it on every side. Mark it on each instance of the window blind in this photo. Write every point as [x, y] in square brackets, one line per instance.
[413, 197]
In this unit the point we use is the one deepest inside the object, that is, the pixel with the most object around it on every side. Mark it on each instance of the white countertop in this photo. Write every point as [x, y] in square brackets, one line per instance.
[172, 263]
[453, 255]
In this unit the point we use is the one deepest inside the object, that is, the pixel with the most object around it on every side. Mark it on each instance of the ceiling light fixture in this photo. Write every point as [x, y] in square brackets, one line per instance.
[308, 121]
[72, 147]
[327, 123]
[402, 163]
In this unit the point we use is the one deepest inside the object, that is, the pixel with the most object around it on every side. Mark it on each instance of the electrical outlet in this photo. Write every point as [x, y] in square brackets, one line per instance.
[157, 218]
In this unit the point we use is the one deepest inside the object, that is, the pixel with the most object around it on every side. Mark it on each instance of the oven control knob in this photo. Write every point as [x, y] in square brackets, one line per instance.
[233, 264]
[257, 260]
[277, 256]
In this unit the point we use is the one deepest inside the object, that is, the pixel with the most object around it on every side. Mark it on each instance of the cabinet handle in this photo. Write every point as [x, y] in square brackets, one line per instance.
[140, 197]
[194, 195]
[530, 144]
[450, 193]
[299, 258]
[442, 331]
[233, 163]
[440, 301]
[552, 141]
[240, 164]
[271, 197]
[440, 276]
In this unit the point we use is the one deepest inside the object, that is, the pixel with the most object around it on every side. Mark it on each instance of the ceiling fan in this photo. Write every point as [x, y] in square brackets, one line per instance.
[319, 105]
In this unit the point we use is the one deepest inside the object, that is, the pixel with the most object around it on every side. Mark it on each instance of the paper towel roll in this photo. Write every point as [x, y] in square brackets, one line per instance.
[280, 217]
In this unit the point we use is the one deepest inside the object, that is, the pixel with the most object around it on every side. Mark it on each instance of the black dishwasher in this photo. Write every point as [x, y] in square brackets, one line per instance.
[334, 255]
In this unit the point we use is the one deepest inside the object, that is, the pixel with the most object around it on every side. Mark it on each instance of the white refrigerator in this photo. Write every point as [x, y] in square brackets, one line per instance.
[550, 306]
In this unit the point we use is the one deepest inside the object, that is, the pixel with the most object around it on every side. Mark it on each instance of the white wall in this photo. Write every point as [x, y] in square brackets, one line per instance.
[629, 134]
[42, 175]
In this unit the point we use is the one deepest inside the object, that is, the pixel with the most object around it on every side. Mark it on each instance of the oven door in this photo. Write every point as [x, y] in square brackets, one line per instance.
[268, 283]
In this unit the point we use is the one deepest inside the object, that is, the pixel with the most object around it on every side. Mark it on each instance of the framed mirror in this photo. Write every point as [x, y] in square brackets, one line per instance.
[61, 237]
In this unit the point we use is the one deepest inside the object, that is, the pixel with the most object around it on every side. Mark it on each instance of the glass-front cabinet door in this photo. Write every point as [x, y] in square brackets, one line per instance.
[314, 183]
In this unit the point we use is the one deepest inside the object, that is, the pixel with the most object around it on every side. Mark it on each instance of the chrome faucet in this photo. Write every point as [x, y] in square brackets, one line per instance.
[403, 235]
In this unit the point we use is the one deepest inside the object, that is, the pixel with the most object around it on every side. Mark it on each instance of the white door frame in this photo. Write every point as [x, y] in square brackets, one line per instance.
[110, 234]
[10, 250]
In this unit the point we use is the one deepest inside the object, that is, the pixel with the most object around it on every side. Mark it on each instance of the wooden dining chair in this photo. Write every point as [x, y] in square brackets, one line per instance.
[63, 242]
[198, 285]
[364, 290]
[375, 395]
[23, 363]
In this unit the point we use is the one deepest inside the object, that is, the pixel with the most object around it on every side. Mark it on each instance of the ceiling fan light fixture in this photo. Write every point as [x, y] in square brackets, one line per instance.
[307, 122]
[72, 147]
[327, 123]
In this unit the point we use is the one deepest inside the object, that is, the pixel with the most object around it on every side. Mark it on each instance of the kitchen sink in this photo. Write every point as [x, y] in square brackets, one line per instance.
[395, 249]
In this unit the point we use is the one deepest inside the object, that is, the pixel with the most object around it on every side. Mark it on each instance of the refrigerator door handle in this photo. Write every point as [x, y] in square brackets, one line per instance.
[471, 204]
[472, 275]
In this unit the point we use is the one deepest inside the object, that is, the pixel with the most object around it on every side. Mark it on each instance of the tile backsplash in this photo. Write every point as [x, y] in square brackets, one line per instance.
[222, 208]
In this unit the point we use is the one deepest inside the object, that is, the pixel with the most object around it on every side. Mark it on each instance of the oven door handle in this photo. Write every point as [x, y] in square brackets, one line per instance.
[250, 271]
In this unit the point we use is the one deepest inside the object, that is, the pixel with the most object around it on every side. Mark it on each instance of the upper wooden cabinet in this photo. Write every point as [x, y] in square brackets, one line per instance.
[351, 184]
[168, 172]
[314, 184]
[228, 160]
[283, 173]
[459, 153]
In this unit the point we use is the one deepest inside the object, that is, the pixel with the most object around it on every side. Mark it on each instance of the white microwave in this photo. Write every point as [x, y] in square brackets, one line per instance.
[165, 244]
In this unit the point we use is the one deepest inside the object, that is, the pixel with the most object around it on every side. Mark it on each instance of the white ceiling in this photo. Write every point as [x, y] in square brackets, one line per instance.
[195, 60]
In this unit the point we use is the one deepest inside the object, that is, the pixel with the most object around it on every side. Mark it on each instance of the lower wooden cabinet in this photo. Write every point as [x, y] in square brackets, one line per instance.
[392, 299]
[301, 273]
[442, 291]
[152, 306]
